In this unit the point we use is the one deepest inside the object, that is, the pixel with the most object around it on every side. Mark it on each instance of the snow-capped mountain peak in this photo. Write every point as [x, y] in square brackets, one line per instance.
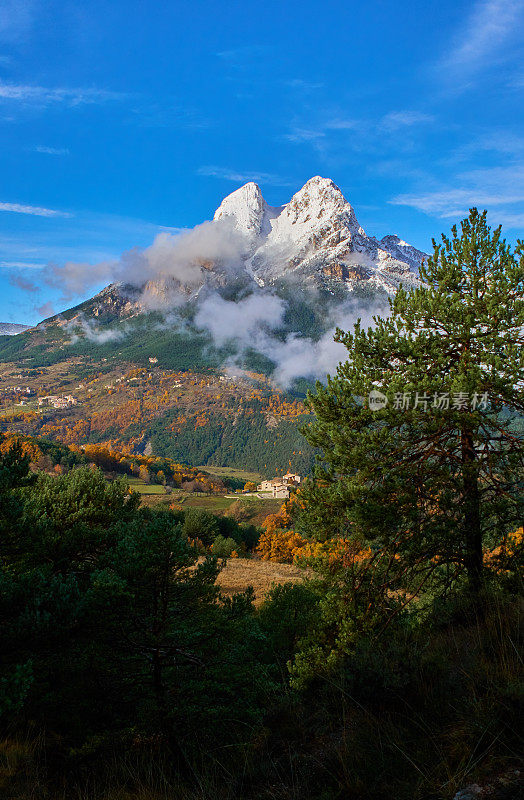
[314, 239]
[248, 211]
[316, 235]
[319, 198]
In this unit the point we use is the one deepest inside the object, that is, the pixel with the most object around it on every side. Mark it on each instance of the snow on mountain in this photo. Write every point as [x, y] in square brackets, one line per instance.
[314, 240]
[12, 328]
[248, 211]
[316, 237]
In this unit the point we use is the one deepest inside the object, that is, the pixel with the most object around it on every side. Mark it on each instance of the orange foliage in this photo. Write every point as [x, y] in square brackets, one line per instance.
[278, 542]
[29, 448]
[502, 557]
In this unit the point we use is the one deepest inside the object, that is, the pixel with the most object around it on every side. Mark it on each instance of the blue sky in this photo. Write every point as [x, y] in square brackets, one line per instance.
[120, 118]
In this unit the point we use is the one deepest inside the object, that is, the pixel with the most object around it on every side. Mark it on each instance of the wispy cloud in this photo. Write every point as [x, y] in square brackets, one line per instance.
[300, 135]
[492, 24]
[483, 188]
[503, 143]
[45, 311]
[299, 83]
[453, 202]
[43, 95]
[314, 134]
[21, 282]
[237, 55]
[507, 219]
[36, 211]
[405, 119]
[242, 176]
[20, 265]
[342, 124]
[51, 151]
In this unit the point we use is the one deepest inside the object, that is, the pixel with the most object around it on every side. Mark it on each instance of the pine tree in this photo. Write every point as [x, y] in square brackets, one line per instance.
[437, 473]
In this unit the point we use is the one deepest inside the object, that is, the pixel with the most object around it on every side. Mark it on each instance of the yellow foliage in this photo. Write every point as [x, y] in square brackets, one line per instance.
[279, 542]
[499, 558]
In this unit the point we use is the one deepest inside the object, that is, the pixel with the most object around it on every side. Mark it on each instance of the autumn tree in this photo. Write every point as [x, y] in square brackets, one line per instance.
[432, 473]
[144, 473]
[278, 541]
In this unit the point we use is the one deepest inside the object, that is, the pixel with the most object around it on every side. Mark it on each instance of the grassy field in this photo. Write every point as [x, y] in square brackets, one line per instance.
[239, 573]
[140, 486]
[230, 472]
[216, 504]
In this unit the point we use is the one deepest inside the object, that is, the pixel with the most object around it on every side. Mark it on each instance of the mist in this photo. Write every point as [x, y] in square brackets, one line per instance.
[179, 260]
[253, 323]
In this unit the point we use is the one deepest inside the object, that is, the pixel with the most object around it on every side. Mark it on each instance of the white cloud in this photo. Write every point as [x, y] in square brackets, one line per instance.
[93, 332]
[507, 219]
[299, 83]
[252, 323]
[341, 124]
[20, 265]
[51, 151]
[242, 176]
[42, 95]
[308, 135]
[483, 188]
[405, 119]
[492, 25]
[175, 262]
[239, 321]
[36, 211]
[238, 55]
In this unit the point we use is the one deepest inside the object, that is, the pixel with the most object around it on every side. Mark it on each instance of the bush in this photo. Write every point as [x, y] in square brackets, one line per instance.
[222, 547]
[200, 524]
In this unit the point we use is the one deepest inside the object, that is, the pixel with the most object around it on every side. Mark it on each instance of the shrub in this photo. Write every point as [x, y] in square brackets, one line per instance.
[222, 547]
[200, 524]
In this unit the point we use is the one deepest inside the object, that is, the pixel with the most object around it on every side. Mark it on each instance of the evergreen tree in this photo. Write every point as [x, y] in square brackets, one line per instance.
[436, 473]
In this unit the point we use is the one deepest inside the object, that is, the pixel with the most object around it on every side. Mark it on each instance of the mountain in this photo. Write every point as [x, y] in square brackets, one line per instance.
[316, 237]
[202, 345]
[258, 287]
[291, 271]
[314, 242]
[12, 328]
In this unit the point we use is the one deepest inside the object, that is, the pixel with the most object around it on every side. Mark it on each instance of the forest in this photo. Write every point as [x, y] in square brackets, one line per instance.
[393, 669]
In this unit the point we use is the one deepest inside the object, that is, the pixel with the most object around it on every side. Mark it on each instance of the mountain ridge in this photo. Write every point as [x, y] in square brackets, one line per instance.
[313, 242]
[258, 287]
[12, 328]
[313, 234]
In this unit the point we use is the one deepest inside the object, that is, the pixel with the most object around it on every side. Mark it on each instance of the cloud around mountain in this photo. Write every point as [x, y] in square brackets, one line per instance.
[242, 272]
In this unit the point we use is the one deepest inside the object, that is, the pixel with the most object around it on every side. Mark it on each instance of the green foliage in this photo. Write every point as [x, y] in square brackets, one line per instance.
[200, 524]
[429, 488]
[222, 547]
[288, 614]
[248, 444]
[110, 627]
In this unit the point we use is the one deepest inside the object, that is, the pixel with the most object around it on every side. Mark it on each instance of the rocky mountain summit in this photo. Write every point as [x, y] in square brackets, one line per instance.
[313, 242]
[316, 237]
